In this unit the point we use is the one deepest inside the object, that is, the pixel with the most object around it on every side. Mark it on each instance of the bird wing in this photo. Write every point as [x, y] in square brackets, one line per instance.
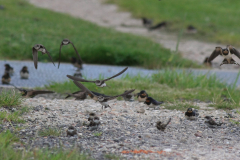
[59, 55]
[113, 97]
[82, 87]
[72, 94]
[116, 74]
[50, 57]
[157, 102]
[79, 79]
[215, 53]
[40, 92]
[76, 52]
[35, 57]
[234, 51]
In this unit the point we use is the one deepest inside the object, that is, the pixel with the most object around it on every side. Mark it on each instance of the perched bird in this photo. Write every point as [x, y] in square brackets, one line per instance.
[91, 116]
[147, 22]
[161, 126]
[76, 63]
[211, 121]
[142, 96]
[206, 62]
[103, 100]
[24, 73]
[128, 97]
[191, 29]
[41, 48]
[191, 114]
[31, 93]
[150, 102]
[94, 123]
[226, 53]
[79, 95]
[99, 83]
[158, 26]
[71, 131]
[6, 78]
[9, 69]
[67, 42]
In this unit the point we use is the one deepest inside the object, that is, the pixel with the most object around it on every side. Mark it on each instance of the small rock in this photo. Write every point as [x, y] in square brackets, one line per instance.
[141, 110]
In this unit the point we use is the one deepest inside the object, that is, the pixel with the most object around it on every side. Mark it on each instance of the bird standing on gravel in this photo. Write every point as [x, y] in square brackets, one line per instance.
[67, 42]
[226, 53]
[41, 48]
[94, 123]
[9, 69]
[103, 100]
[24, 73]
[191, 114]
[71, 131]
[128, 97]
[147, 22]
[91, 116]
[6, 78]
[161, 126]
[99, 83]
[211, 121]
[152, 103]
[142, 96]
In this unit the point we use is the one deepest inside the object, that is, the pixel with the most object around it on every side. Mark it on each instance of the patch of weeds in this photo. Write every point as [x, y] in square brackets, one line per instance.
[97, 134]
[49, 132]
[11, 117]
[112, 156]
[234, 122]
[24, 110]
[10, 98]
[224, 105]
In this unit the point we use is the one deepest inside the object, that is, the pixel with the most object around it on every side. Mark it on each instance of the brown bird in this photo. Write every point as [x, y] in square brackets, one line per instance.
[161, 126]
[142, 96]
[211, 121]
[99, 83]
[24, 73]
[6, 78]
[101, 99]
[41, 48]
[9, 69]
[79, 95]
[91, 116]
[206, 62]
[66, 42]
[226, 53]
[71, 131]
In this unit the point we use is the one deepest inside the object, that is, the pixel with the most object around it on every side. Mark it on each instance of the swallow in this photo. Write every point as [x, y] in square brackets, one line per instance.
[226, 53]
[71, 131]
[206, 62]
[79, 95]
[161, 126]
[158, 26]
[76, 63]
[150, 102]
[91, 116]
[211, 121]
[128, 97]
[31, 93]
[41, 48]
[9, 69]
[103, 100]
[147, 22]
[24, 73]
[99, 83]
[191, 114]
[94, 123]
[142, 96]
[191, 29]
[6, 78]
[67, 42]
[77, 74]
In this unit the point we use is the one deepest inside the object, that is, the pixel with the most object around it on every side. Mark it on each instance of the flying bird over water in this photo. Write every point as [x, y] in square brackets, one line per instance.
[67, 42]
[99, 83]
[226, 53]
[41, 48]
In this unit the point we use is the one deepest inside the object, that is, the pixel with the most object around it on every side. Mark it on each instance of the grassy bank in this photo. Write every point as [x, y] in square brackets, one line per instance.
[216, 21]
[169, 86]
[26, 25]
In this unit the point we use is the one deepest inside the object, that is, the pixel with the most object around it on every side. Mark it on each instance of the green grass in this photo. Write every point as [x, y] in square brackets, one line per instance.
[7, 152]
[170, 86]
[25, 25]
[11, 117]
[216, 21]
[10, 98]
[97, 134]
[49, 132]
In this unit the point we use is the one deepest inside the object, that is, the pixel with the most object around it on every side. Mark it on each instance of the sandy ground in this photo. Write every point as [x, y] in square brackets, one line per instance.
[108, 15]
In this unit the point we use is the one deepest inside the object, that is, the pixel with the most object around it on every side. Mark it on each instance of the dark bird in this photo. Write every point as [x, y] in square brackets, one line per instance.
[9, 69]
[150, 102]
[79, 95]
[71, 131]
[147, 22]
[24, 73]
[91, 116]
[206, 62]
[6, 78]
[161, 126]
[94, 123]
[211, 121]
[99, 83]
[191, 114]
[67, 42]
[158, 26]
[191, 29]
[31, 93]
[76, 63]
[142, 96]
[103, 100]
[226, 53]
[41, 48]
[128, 97]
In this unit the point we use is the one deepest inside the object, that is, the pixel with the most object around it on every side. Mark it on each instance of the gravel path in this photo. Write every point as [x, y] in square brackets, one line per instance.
[108, 15]
[124, 130]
